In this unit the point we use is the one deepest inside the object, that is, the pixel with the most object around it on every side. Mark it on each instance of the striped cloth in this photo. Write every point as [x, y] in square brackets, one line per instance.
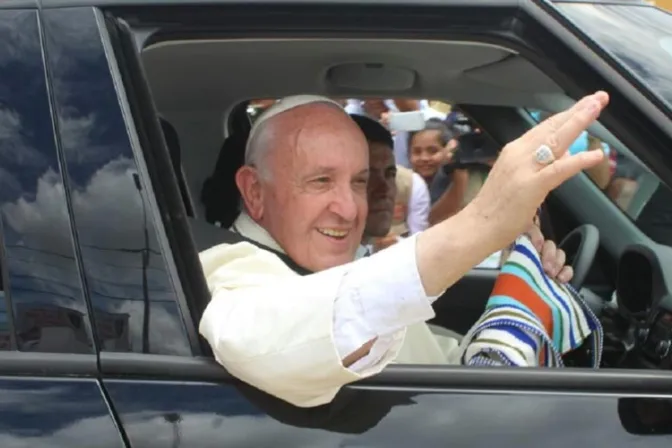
[530, 320]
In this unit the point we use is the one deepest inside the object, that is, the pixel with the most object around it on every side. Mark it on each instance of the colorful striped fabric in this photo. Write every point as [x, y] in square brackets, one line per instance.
[530, 320]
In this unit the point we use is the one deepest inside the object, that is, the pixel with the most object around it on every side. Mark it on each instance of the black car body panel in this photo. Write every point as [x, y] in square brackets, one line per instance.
[49, 412]
[203, 414]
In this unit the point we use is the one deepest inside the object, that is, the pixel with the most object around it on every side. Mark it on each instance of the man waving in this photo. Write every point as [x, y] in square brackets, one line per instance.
[304, 185]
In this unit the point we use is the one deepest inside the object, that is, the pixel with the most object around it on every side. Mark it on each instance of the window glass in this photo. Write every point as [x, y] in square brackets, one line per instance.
[40, 273]
[647, 52]
[128, 282]
[629, 184]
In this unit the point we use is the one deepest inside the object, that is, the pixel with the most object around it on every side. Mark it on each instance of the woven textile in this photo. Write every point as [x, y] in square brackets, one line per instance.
[530, 319]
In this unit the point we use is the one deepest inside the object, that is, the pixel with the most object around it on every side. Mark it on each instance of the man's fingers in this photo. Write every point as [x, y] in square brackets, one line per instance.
[539, 135]
[560, 259]
[580, 118]
[565, 275]
[548, 257]
[570, 165]
[536, 237]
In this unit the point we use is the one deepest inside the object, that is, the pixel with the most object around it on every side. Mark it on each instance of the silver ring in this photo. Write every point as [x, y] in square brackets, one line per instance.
[544, 155]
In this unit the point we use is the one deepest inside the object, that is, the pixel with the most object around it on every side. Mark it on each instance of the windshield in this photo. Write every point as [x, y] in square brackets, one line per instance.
[639, 36]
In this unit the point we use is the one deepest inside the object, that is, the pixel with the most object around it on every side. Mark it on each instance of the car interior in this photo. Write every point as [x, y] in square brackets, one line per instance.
[203, 109]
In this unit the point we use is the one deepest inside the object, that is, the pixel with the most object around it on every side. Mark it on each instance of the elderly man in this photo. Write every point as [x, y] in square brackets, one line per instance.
[304, 187]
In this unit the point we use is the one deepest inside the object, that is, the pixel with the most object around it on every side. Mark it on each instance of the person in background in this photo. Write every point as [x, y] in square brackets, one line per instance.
[398, 198]
[380, 109]
[411, 211]
[469, 166]
[411, 208]
[429, 150]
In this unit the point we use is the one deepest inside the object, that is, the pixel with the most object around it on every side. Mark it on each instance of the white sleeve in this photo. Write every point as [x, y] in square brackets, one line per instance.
[378, 298]
[419, 205]
[287, 335]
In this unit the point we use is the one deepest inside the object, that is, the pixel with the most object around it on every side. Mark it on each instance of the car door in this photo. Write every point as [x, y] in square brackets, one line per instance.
[165, 388]
[49, 391]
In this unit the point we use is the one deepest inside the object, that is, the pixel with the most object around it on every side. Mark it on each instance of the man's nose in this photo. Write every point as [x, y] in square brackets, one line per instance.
[345, 203]
[379, 187]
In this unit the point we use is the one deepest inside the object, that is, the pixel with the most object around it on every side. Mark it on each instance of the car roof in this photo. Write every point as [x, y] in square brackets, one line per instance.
[69, 3]
[12, 4]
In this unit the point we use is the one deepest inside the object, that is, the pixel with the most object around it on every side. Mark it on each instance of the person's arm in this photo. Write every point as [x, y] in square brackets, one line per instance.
[600, 174]
[417, 218]
[302, 338]
[451, 200]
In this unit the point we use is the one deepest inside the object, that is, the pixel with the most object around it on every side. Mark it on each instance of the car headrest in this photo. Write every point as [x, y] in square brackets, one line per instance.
[239, 121]
[220, 195]
[173, 144]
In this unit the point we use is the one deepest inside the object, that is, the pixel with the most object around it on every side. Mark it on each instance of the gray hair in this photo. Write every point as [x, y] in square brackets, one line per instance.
[259, 140]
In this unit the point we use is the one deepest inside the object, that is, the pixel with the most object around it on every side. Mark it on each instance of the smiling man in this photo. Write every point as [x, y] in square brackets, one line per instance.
[291, 312]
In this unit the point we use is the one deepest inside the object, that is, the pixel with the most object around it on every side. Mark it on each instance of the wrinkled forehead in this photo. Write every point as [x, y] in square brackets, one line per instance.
[319, 132]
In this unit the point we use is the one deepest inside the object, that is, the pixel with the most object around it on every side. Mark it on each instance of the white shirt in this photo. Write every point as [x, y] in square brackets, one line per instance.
[287, 334]
[419, 204]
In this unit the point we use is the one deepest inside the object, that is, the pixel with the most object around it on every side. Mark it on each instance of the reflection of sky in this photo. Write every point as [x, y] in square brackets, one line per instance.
[32, 411]
[109, 210]
[635, 35]
[111, 214]
[41, 267]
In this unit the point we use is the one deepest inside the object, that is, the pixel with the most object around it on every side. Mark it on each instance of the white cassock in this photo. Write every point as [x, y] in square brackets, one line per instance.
[286, 334]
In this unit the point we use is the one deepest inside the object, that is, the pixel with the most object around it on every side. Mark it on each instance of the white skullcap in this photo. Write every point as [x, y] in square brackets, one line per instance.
[283, 105]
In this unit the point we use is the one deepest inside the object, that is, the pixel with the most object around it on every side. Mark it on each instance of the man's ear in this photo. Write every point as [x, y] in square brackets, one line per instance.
[249, 185]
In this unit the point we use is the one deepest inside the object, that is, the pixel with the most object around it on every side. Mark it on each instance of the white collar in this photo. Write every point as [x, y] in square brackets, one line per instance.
[247, 227]
[363, 250]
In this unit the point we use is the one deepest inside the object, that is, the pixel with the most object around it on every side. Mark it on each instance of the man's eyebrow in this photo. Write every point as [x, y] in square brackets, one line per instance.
[319, 171]
[324, 170]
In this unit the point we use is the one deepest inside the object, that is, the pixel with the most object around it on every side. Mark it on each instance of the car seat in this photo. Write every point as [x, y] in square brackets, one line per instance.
[219, 195]
[173, 144]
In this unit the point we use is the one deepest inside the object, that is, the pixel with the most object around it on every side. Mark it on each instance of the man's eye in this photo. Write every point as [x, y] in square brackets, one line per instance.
[322, 180]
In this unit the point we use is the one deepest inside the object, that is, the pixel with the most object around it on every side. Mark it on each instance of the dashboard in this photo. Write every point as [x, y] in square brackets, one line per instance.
[644, 298]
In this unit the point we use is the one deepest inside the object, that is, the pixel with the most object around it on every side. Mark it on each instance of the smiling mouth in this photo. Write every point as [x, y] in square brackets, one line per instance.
[333, 233]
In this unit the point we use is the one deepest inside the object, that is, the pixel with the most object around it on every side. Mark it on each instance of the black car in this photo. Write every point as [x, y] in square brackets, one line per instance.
[114, 116]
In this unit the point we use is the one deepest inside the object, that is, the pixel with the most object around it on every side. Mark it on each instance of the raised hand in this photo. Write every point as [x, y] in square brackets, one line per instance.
[531, 166]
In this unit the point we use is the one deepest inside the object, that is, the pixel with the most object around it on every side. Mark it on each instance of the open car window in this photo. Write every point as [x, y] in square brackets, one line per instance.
[628, 183]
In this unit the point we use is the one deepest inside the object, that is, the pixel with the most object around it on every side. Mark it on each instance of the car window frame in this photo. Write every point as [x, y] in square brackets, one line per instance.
[443, 378]
[156, 175]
